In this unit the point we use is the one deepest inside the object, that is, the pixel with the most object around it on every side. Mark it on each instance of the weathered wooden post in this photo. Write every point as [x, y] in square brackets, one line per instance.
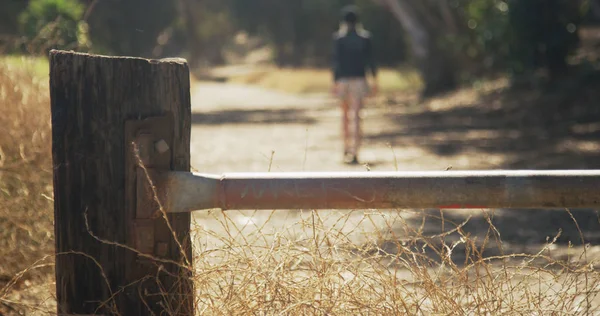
[116, 253]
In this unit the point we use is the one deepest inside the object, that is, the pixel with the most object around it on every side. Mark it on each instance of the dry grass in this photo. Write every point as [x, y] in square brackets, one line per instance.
[293, 263]
[26, 229]
[378, 262]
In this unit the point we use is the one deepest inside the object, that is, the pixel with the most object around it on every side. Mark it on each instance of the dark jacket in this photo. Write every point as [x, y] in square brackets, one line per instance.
[353, 54]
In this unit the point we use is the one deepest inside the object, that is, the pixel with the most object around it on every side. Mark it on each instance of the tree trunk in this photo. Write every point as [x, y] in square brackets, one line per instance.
[435, 65]
[438, 72]
[188, 10]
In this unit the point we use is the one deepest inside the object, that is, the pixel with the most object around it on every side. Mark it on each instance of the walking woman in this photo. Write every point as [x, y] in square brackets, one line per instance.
[352, 59]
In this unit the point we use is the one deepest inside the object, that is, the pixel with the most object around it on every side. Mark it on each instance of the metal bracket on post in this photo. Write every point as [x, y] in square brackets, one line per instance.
[149, 141]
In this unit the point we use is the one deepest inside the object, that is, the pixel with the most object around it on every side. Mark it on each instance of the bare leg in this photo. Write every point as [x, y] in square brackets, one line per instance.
[354, 113]
[357, 125]
[345, 125]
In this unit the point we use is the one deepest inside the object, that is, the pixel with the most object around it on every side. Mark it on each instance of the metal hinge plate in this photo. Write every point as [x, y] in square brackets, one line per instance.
[149, 142]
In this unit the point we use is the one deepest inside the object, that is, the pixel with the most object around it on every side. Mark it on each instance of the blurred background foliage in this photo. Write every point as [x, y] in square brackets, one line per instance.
[461, 39]
[60, 20]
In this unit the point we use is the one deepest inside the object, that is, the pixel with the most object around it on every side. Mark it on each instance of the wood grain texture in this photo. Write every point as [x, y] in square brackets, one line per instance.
[91, 99]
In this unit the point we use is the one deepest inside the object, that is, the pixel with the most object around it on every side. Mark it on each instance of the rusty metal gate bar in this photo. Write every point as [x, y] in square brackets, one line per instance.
[185, 192]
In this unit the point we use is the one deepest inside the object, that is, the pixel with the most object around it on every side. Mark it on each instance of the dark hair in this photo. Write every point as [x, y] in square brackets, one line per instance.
[350, 14]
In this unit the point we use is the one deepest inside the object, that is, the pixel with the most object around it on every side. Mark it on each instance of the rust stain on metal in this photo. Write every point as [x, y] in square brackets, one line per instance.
[461, 206]
[296, 192]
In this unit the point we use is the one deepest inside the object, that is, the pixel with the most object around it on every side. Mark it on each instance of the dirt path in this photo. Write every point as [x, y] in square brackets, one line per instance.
[239, 128]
